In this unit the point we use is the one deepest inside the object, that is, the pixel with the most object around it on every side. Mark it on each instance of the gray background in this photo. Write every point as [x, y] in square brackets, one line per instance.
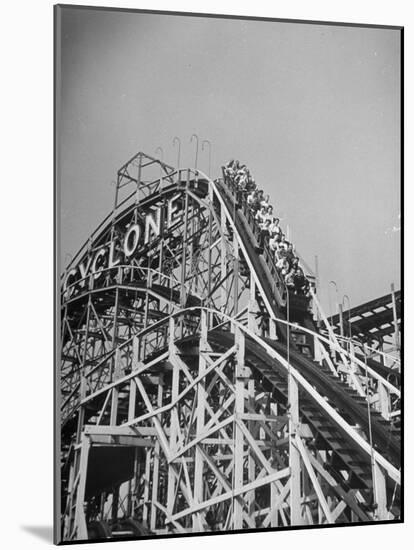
[313, 110]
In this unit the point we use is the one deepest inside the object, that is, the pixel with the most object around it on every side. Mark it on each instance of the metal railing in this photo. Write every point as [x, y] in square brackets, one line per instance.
[119, 275]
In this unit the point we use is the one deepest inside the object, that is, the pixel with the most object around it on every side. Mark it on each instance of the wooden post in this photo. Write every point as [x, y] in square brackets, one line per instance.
[380, 492]
[250, 461]
[200, 417]
[272, 329]
[155, 474]
[69, 503]
[146, 484]
[294, 455]
[174, 424]
[384, 401]
[80, 520]
[238, 458]
[115, 391]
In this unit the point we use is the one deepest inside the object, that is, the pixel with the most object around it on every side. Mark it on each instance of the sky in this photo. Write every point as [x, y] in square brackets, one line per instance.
[313, 110]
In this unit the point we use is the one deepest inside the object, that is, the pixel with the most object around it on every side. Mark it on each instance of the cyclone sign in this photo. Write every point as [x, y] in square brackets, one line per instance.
[125, 248]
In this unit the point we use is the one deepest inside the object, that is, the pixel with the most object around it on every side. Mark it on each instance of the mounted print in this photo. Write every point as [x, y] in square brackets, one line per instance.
[228, 230]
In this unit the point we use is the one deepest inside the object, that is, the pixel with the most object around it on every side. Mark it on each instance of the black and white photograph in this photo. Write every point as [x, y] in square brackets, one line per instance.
[228, 274]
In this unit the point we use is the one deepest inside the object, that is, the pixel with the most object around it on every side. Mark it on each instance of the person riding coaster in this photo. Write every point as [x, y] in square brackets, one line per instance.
[244, 186]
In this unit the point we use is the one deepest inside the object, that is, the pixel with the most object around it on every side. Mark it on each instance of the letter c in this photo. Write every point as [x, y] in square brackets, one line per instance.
[97, 272]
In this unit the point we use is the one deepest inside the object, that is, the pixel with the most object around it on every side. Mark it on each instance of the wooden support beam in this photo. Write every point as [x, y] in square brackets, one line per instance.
[174, 427]
[384, 401]
[80, 519]
[380, 493]
[238, 458]
[294, 455]
[251, 465]
[156, 463]
[201, 398]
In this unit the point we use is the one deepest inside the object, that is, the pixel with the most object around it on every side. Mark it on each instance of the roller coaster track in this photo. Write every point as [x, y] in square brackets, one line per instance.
[198, 393]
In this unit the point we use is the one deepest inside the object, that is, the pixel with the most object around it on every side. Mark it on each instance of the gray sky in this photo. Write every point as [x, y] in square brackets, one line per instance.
[314, 111]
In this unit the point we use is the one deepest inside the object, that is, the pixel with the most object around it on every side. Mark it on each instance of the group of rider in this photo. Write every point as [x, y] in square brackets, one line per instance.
[271, 234]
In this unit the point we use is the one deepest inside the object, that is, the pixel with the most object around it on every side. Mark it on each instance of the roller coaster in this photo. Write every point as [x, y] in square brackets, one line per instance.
[198, 392]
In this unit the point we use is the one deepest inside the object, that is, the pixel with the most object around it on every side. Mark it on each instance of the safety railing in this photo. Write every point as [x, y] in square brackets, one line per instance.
[119, 275]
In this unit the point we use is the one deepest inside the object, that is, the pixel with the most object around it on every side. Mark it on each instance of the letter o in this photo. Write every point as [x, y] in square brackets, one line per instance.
[130, 247]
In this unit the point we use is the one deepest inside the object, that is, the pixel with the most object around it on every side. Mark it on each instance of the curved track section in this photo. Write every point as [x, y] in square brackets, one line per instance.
[197, 393]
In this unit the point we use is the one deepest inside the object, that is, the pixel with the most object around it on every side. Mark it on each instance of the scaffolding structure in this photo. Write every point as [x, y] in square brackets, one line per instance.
[198, 393]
